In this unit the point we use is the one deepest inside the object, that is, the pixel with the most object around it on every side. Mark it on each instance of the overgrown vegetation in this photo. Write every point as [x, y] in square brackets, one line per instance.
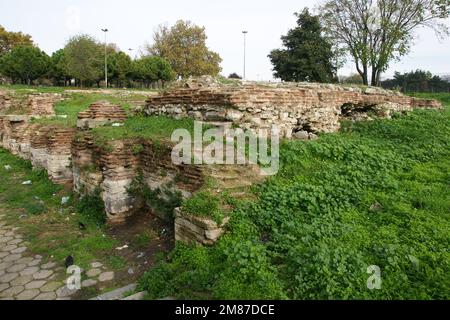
[204, 204]
[162, 200]
[377, 194]
[92, 208]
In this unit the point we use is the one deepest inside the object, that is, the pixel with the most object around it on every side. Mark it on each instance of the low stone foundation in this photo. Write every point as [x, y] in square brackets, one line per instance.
[99, 114]
[34, 104]
[5, 101]
[293, 107]
[196, 229]
[42, 104]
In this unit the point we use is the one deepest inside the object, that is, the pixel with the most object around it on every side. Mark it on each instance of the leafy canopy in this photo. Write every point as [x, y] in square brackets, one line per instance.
[25, 63]
[308, 55]
[11, 40]
[184, 47]
[376, 32]
[84, 58]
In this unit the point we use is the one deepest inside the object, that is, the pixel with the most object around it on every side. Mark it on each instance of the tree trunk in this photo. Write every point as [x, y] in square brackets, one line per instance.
[376, 74]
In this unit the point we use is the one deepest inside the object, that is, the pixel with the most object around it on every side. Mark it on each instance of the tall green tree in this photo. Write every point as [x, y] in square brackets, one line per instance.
[184, 47]
[25, 63]
[119, 67]
[308, 55]
[152, 68]
[58, 70]
[11, 40]
[84, 59]
[376, 32]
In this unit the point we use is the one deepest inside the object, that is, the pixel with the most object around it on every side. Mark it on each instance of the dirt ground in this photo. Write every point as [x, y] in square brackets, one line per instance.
[138, 257]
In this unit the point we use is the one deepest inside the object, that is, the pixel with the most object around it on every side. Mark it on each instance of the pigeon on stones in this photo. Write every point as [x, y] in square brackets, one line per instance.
[69, 262]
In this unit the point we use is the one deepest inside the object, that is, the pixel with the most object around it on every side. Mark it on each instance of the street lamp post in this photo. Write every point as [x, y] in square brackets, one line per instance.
[245, 45]
[106, 60]
[131, 53]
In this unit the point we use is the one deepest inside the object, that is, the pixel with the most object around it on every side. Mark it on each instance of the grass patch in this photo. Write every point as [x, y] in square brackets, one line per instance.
[204, 204]
[155, 128]
[117, 262]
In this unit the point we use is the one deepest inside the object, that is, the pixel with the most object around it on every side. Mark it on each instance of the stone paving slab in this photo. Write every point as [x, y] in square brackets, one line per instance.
[24, 277]
[29, 277]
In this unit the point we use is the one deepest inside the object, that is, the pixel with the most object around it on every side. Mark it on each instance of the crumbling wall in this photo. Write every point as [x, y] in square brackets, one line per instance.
[47, 147]
[99, 114]
[42, 104]
[111, 169]
[5, 101]
[86, 167]
[16, 133]
[202, 230]
[292, 107]
[59, 159]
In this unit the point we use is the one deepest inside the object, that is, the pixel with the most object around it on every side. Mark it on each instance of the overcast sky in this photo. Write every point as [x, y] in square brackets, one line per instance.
[132, 22]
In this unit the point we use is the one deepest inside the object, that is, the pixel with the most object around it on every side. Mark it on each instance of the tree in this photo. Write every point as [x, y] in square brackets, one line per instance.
[58, 68]
[11, 40]
[184, 47]
[84, 59]
[417, 81]
[375, 32]
[308, 55]
[152, 68]
[25, 63]
[119, 67]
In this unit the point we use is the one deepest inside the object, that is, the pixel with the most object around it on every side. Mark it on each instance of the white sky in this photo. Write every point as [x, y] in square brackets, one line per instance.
[132, 22]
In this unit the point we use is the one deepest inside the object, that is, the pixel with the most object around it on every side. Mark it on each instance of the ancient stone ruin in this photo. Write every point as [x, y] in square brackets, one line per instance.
[42, 104]
[34, 104]
[293, 107]
[5, 101]
[99, 114]
[72, 156]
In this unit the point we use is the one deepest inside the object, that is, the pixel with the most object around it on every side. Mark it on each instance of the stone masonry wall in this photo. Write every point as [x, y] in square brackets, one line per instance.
[35, 104]
[292, 107]
[100, 114]
[46, 147]
[5, 101]
[112, 169]
[42, 104]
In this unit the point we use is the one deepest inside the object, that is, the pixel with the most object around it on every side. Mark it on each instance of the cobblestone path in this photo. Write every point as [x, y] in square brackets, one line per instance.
[24, 276]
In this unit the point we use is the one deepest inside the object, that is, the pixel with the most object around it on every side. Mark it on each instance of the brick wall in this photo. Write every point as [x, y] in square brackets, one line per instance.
[292, 107]
[99, 114]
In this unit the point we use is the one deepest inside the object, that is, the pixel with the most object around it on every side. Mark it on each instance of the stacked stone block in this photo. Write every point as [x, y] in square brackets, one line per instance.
[292, 107]
[99, 114]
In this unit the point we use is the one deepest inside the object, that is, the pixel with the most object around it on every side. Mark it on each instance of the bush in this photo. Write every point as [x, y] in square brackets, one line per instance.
[92, 208]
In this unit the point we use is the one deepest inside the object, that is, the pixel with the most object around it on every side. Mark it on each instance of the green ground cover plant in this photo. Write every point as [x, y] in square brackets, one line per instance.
[375, 194]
